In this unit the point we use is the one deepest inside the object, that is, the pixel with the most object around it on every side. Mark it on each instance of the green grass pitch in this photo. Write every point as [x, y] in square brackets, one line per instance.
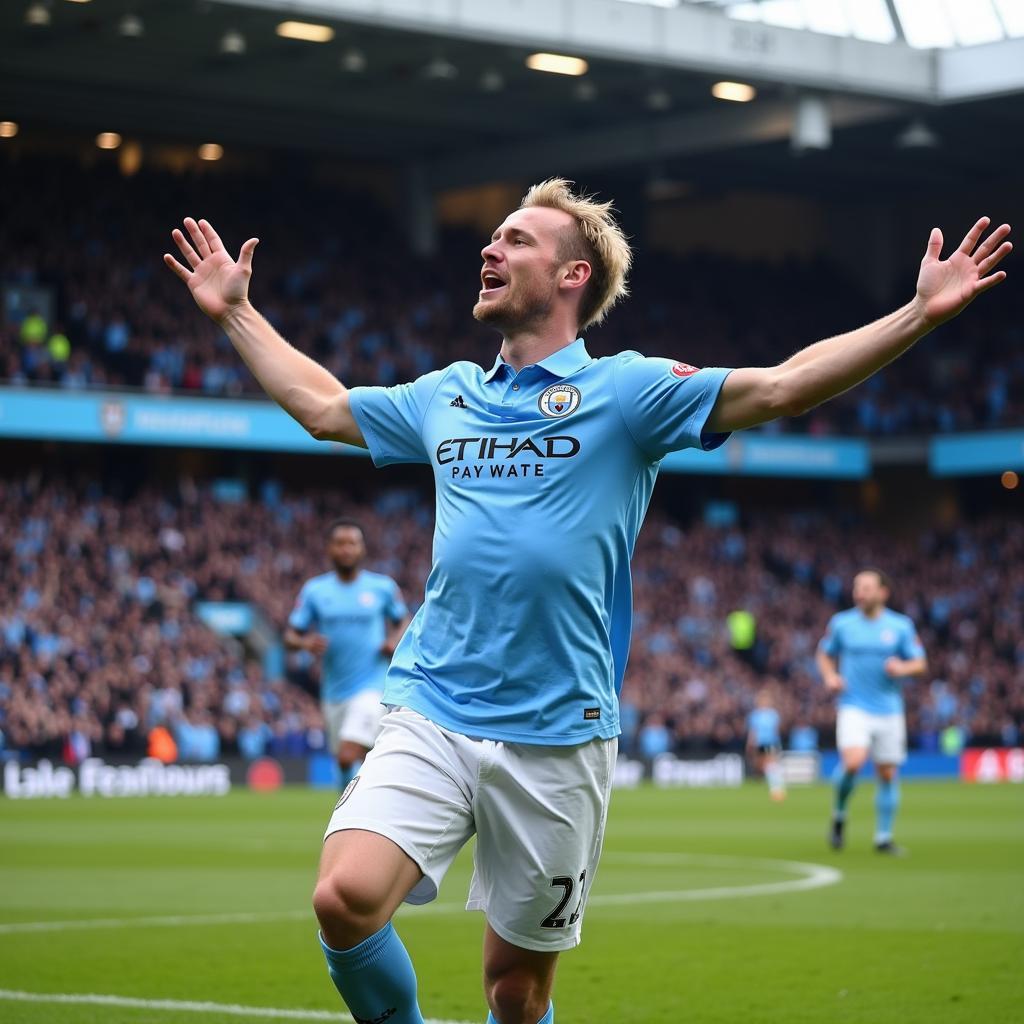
[704, 911]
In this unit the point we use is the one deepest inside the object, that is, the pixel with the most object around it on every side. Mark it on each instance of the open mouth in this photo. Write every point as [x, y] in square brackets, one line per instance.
[492, 282]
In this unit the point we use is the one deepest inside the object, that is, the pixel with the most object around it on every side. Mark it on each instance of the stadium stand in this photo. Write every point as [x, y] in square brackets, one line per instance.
[343, 288]
[100, 642]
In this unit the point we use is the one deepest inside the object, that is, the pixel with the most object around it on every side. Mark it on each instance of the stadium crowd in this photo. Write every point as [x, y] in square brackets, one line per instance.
[103, 651]
[334, 276]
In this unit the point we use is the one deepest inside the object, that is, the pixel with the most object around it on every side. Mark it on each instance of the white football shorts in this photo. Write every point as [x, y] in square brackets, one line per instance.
[885, 736]
[538, 813]
[356, 720]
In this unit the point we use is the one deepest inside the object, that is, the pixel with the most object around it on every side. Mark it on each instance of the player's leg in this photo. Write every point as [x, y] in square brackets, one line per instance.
[853, 738]
[393, 835]
[771, 767]
[540, 815]
[517, 982]
[890, 753]
[333, 712]
[358, 731]
[363, 879]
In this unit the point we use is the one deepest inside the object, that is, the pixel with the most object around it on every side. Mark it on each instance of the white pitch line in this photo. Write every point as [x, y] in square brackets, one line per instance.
[811, 876]
[187, 1006]
[166, 921]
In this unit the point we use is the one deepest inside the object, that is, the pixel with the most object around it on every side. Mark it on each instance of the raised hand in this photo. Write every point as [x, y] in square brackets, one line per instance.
[946, 287]
[217, 282]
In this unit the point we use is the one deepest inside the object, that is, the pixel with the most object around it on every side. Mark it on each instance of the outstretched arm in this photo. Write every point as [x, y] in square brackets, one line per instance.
[944, 288]
[220, 286]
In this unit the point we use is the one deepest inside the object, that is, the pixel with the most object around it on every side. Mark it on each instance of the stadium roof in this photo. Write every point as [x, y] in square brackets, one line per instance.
[920, 23]
[444, 86]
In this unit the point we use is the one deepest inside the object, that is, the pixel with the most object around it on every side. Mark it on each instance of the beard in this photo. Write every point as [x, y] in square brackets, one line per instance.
[514, 311]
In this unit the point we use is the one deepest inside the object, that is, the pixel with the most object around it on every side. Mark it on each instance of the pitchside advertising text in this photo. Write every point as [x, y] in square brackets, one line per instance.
[95, 777]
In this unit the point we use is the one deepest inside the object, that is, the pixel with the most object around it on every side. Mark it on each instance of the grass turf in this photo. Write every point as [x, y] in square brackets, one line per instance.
[935, 937]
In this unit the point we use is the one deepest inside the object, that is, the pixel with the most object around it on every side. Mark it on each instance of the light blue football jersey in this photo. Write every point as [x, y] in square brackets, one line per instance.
[543, 478]
[354, 618]
[862, 646]
[764, 724]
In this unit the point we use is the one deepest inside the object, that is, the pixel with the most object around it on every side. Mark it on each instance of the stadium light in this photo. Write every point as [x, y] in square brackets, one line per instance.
[658, 99]
[232, 43]
[441, 69]
[306, 31]
[130, 26]
[108, 140]
[492, 81]
[8, 129]
[37, 14]
[1010, 480]
[917, 135]
[736, 92]
[210, 151]
[353, 61]
[557, 64]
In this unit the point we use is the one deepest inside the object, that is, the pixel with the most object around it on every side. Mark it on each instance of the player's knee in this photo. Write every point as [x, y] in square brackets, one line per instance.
[344, 905]
[517, 997]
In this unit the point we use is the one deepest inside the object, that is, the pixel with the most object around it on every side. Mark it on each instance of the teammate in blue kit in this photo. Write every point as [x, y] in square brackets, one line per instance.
[865, 655]
[764, 741]
[353, 619]
[504, 690]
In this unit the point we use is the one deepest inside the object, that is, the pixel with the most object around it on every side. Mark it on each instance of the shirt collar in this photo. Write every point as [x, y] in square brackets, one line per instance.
[566, 360]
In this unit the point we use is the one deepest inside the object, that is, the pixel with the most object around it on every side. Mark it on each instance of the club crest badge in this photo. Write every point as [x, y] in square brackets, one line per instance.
[559, 400]
[347, 793]
[682, 370]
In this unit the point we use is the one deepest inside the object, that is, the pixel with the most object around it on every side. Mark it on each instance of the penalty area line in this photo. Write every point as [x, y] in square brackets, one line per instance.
[808, 876]
[183, 1005]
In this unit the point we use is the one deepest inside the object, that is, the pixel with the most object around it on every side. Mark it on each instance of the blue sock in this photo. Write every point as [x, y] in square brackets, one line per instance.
[376, 978]
[887, 800]
[548, 1018]
[844, 782]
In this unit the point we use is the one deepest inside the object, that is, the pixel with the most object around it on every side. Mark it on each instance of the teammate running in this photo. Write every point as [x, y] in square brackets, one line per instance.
[764, 743]
[504, 687]
[353, 619]
[866, 653]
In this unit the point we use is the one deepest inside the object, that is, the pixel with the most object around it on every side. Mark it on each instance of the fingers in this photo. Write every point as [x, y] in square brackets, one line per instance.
[989, 245]
[990, 282]
[186, 250]
[245, 254]
[198, 238]
[177, 267]
[972, 236]
[211, 236]
[934, 248]
[992, 261]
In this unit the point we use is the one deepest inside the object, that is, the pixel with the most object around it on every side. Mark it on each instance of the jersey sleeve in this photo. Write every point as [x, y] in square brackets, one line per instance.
[830, 642]
[666, 404]
[395, 609]
[910, 643]
[303, 615]
[391, 419]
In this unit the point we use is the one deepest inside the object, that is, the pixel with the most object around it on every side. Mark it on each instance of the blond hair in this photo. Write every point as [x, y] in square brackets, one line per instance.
[597, 238]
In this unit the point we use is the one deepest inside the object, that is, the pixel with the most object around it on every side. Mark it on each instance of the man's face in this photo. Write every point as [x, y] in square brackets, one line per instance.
[346, 547]
[522, 270]
[868, 591]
